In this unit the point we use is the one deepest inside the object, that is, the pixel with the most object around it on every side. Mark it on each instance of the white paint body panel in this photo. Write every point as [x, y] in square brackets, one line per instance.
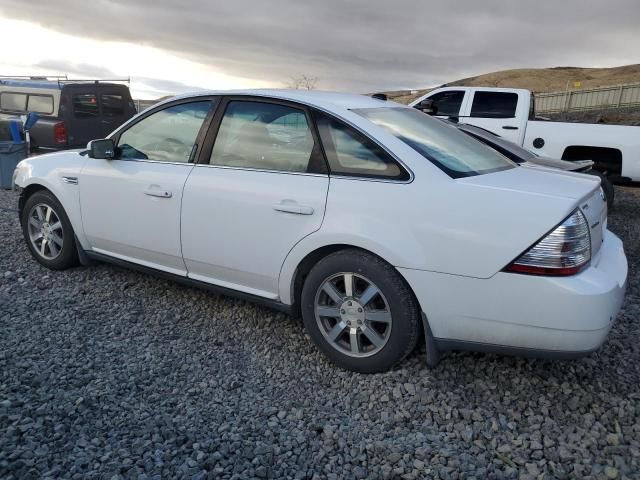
[231, 234]
[557, 136]
[449, 238]
[120, 219]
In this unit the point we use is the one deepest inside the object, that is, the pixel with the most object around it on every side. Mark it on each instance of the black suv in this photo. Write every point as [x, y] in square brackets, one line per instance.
[71, 112]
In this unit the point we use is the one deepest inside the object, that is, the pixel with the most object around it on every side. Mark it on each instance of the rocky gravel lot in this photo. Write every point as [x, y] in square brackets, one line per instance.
[107, 373]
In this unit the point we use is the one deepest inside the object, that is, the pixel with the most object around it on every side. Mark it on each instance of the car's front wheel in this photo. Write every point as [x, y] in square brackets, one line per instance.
[359, 311]
[48, 232]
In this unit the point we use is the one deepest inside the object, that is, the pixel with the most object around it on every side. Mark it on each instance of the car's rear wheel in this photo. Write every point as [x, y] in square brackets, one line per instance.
[359, 311]
[48, 232]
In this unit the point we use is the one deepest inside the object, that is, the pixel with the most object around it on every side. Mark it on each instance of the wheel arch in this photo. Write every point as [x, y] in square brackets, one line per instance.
[294, 272]
[27, 192]
[606, 159]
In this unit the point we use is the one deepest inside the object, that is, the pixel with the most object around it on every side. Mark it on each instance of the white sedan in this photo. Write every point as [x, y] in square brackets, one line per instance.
[375, 222]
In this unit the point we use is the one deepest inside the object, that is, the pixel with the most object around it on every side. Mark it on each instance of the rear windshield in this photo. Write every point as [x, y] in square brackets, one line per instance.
[452, 151]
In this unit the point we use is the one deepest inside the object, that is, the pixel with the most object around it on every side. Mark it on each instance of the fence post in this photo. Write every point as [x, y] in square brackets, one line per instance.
[567, 102]
[620, 96]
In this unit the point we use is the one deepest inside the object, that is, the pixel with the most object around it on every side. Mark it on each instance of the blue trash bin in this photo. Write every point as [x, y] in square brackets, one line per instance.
[10, 155]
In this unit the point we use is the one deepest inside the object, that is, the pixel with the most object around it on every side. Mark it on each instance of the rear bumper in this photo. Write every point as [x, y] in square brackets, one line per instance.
[525, 314]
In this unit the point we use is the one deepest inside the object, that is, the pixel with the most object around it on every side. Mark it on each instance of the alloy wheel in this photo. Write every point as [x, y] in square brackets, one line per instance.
[353, 315]
[45, 231]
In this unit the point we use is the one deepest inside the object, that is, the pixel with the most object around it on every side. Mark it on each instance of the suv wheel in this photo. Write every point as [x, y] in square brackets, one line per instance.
[47, 231]
[360, 312]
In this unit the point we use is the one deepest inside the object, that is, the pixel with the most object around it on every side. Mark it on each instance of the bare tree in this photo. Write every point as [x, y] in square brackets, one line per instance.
[303, 82]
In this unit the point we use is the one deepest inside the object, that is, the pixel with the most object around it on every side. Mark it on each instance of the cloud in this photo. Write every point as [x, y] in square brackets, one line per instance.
[75, 69]
[357, 45]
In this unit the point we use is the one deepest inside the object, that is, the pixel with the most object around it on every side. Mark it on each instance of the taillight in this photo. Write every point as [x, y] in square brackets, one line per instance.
[60, 133]
[566, 250]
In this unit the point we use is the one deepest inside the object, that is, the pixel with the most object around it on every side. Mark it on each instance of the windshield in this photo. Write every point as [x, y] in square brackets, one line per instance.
[452, 151]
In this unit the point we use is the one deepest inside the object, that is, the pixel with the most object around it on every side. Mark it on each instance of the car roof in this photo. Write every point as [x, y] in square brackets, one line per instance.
[315, 98]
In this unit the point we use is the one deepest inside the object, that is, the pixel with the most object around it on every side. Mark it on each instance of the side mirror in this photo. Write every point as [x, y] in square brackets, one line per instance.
[427, 107]
[104, 149]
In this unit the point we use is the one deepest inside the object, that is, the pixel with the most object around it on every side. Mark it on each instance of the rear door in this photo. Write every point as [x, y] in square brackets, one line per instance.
[260, 187]
[116, 107]
[502, 112]
[81, 114]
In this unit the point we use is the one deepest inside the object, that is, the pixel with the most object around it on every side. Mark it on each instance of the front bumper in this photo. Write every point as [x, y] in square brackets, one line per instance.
[533, 315]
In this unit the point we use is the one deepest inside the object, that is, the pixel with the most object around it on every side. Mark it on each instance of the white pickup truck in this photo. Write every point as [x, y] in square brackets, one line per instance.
[509, 112]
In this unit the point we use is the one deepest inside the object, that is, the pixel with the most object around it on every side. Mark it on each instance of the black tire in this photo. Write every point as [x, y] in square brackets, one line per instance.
[67, 255]
[607, 187]
[405, 325]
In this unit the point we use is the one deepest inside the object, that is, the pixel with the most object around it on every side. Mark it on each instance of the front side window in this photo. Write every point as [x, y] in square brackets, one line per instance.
[452, 151]
[112, 105]
[494, 105]
[40, 104]
[265, 136]
[448, 103]
[168, 135]
[13, 102]
[85, 105]
[351, 153]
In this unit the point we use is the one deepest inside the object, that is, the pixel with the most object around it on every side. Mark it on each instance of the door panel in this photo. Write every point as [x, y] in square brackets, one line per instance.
[131, 210]
[499, 112]
[131, 205]
[239, 225]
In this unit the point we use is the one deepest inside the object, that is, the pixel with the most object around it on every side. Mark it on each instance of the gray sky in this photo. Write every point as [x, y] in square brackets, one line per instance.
[349, 45]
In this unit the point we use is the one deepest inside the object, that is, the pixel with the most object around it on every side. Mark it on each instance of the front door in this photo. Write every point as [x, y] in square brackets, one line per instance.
[131, 205]
[261, 190]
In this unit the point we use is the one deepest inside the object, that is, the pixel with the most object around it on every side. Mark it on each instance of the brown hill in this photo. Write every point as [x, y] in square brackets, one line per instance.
[540, 79]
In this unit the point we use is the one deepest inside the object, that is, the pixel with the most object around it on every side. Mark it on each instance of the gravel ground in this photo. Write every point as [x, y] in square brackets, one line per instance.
[106, 373]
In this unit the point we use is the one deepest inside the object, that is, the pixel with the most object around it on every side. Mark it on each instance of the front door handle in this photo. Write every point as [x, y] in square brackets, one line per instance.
[289, 206]
[509, 127]
[153, 192]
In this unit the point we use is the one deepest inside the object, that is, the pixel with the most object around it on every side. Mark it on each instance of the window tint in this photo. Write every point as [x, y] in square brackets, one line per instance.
[168, 135]
[448, 103]
[449, 149]
[85, 105]
[494, 104]
[112, 105]
[40, 104]
[351, 153]
[15, 102]
[264, 136]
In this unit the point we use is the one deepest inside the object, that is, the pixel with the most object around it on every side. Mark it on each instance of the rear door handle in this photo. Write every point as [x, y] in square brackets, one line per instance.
[293, 207]
[509, 127]
[153, 192]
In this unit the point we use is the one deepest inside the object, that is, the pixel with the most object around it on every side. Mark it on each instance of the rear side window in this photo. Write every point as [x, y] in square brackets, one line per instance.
[14, 102]
[40, 104]
[265, 136]
[85, 105]
[448, 103]
[112, 105]
[351, 153]
[494, 105]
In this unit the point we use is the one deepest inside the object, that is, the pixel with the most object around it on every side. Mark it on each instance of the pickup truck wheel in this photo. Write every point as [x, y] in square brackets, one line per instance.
[48, 232]
[607, 187]
[360, 312]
